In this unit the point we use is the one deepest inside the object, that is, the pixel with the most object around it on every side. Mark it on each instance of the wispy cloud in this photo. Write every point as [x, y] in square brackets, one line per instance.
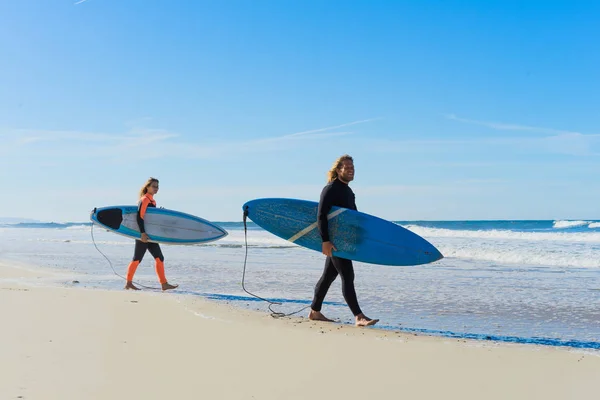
[142, 143]
[38, 143]
[558, 141]
[330, 128]
[293, 137]
[79, 2]
[328, 131]
[134, 135]
[509, 127]
[573, 144]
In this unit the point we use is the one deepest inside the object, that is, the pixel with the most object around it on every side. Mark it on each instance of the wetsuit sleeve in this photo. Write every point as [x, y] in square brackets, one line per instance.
[325, 204]
[143, 205]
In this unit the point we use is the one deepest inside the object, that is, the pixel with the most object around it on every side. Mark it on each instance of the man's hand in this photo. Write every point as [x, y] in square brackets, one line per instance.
[328, 248]
[145, 237]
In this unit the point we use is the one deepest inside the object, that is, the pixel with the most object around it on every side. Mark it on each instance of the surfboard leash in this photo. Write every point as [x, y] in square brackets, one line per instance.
[111, 265]
[274, 314]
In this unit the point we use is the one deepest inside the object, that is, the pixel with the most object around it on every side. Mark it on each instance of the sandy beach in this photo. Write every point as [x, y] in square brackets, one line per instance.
[77, 343]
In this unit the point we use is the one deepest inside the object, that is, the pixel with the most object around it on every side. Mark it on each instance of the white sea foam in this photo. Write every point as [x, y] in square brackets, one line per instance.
[586, 237]
[508, 253]
[80, 228]
[569, 224]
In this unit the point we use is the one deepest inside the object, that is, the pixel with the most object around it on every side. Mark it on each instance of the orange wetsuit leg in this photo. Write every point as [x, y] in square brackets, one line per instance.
[156, 252]
[160, 271]
[131, 270]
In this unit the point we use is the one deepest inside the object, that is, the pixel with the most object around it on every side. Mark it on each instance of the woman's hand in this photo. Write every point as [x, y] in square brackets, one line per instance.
[145, 237]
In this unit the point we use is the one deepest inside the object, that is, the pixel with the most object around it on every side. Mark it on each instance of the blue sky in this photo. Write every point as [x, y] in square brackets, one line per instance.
[452, 110]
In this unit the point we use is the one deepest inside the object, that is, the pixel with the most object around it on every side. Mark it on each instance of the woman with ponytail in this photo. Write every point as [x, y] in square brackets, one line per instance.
[146, 195]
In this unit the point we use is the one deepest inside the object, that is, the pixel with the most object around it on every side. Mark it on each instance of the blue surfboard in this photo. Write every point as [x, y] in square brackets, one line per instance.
[162, 225]
[356, 235]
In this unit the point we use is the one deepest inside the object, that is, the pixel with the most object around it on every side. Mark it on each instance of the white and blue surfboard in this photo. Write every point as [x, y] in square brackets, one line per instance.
[162, 225]
[356, 235]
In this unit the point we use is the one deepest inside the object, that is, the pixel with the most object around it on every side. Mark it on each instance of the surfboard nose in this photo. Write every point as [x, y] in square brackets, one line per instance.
[111, 217]
[248, 208]
[431, 254]
[436, 255]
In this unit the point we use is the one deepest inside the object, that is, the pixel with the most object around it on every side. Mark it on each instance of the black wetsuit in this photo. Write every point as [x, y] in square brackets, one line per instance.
[337, 194]
[141, 247]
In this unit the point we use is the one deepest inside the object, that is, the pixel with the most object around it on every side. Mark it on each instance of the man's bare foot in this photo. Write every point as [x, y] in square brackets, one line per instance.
[167, 286]
[318, 316]
[363, 320]
[131, 286]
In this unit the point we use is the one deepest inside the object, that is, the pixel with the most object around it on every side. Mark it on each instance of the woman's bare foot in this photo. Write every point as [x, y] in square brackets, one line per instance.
[363, 320]
[318, 316]
[131, 286]
[167, 286]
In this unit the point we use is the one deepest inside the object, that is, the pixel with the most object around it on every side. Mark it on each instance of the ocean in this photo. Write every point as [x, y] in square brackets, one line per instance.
[511, 281]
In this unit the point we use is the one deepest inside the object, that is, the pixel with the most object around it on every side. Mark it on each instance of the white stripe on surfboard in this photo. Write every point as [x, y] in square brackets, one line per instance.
[314, 225]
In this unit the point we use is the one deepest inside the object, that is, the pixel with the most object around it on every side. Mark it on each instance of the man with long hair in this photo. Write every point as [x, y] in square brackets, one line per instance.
[337, 192]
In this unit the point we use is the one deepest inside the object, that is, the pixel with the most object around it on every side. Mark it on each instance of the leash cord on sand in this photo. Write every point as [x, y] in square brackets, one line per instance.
[111, 266]
[274, 313]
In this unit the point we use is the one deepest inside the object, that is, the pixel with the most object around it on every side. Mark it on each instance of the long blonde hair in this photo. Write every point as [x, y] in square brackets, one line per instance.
[332, 174]
[144, 188]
